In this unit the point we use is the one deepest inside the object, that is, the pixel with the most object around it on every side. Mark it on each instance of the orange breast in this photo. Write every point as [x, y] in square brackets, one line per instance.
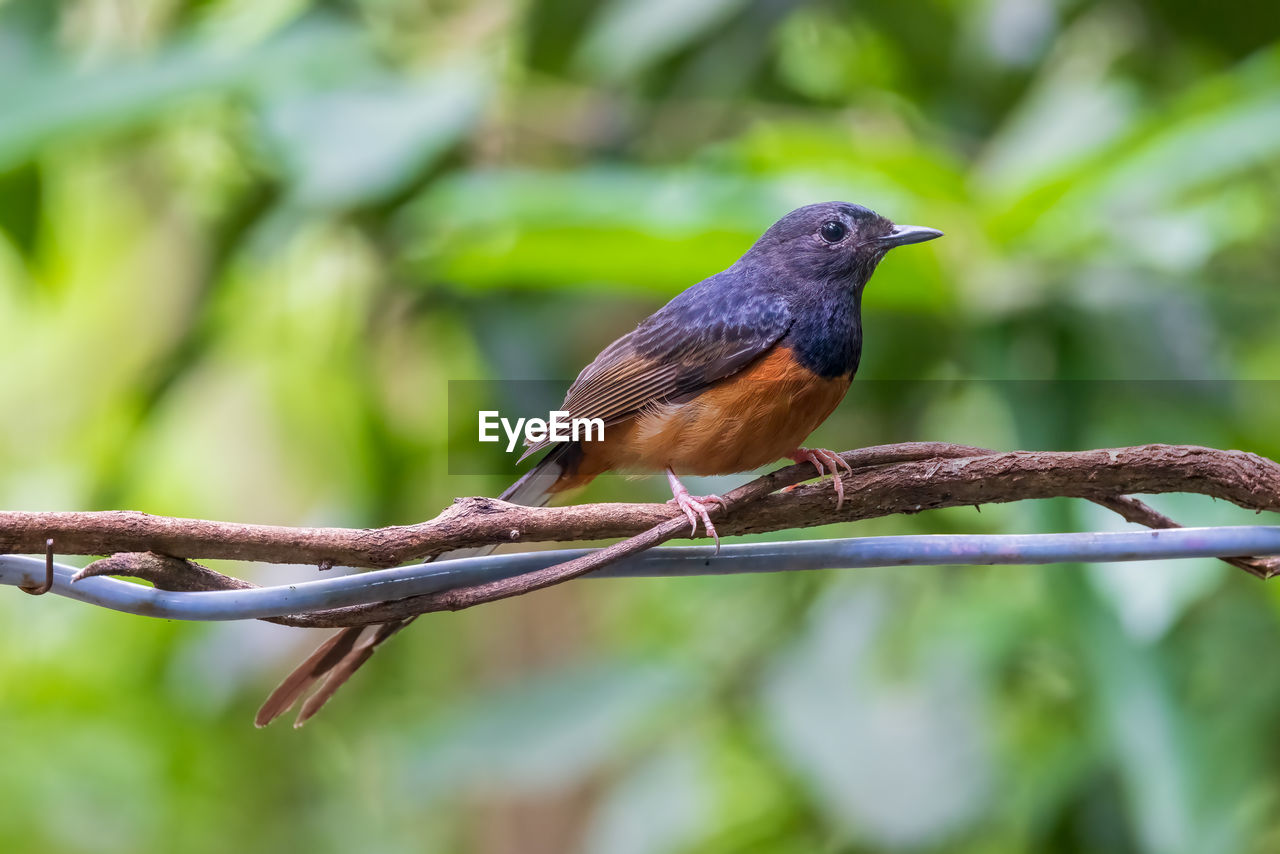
[752, 418]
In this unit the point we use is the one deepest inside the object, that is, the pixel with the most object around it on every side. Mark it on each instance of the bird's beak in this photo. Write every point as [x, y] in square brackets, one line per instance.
[904, 234]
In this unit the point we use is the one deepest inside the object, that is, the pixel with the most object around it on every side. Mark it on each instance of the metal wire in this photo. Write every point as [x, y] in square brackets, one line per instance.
[388, 584]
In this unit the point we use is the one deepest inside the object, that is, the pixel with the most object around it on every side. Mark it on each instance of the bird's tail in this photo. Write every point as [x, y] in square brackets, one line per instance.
[342, 654]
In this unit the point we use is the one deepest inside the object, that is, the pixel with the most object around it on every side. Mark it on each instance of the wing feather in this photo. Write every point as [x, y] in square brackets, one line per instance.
[708, 333]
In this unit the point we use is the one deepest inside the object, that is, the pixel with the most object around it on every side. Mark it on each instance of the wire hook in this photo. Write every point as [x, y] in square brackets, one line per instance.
[42, 589]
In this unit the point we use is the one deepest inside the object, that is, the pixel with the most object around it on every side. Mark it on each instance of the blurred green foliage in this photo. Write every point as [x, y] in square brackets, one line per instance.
[245, 244]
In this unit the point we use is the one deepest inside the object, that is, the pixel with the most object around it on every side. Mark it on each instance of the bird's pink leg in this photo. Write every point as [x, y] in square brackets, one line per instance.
[694, 507]
[824, 461]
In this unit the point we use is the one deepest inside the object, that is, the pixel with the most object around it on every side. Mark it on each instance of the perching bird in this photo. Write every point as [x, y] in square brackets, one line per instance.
[732, 374]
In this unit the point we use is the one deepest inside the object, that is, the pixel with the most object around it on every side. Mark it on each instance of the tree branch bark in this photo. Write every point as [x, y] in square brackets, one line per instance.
[887, 479]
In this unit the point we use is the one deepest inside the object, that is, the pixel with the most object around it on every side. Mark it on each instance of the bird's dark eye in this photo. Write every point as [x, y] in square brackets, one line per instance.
[833, 231]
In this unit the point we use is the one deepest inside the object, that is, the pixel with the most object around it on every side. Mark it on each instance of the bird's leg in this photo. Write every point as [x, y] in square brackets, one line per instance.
[824, 461]
[695, 507]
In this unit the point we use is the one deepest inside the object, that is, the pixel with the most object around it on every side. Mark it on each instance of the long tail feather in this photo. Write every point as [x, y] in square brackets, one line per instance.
[335, 660]
[327, 656]
[341, 672]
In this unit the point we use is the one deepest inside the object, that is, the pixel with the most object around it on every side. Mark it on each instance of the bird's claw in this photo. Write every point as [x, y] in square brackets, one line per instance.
[824, 461]
[695, 507]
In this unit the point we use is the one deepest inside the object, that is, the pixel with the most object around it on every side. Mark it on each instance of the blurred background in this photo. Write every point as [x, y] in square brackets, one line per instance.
[246, 244]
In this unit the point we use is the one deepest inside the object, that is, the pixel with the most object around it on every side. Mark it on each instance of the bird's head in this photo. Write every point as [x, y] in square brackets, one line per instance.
[833, 241]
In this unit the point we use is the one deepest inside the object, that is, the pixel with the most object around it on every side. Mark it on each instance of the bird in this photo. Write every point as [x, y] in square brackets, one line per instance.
[732, 374]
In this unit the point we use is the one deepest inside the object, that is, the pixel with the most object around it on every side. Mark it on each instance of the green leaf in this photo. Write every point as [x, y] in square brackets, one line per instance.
[904, 764]
[547, 731]
[1148, 733]
[669, 784]
[53, 103]
[631, 35]
[355, 146]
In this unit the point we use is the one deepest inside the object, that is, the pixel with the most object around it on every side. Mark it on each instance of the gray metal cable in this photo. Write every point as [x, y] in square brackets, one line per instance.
[388, 584]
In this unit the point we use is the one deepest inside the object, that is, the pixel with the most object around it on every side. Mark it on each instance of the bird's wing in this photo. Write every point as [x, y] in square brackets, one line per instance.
[709, 332]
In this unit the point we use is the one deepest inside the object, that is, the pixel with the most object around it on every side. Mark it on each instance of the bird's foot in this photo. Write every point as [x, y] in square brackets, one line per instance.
[695, 507]
[824, 461]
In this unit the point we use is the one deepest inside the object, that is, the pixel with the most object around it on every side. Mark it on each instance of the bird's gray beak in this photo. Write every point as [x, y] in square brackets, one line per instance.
[904, 234]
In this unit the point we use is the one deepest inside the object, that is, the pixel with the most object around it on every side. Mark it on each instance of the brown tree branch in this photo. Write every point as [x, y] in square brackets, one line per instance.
[888, 479]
